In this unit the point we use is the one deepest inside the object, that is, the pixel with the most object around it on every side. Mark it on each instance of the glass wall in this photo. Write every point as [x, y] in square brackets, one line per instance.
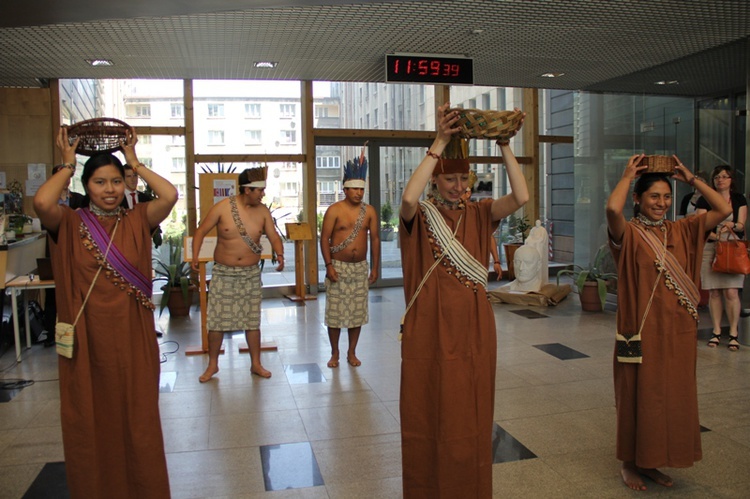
[608, 130]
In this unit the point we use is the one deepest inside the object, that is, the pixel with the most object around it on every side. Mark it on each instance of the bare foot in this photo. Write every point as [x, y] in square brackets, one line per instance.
[261, 371]
[656, 476]
[631, 477]
[334, 362]
[353, 360]
[208, 374]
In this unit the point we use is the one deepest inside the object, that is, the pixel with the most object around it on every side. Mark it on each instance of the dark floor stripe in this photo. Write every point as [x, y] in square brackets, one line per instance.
[561, 351]
[529, 314]
[506, 449]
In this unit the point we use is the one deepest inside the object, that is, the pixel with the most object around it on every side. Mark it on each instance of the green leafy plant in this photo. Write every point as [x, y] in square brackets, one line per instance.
[386, 216]
[594, 273]
[176, 272]
[518, 229]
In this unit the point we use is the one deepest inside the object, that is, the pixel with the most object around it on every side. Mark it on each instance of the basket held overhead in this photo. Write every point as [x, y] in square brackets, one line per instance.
[658, 164]
[495, 125]
[98, 135]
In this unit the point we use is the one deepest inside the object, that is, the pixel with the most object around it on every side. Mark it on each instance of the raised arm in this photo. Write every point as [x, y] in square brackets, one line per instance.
[166, 194]
[519, 194]
[719, 208]
[616, 221]
[421, 176]
[46, 199]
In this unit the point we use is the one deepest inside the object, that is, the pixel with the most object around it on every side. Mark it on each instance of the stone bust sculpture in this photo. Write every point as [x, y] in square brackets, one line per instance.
[527, 264]
[531, 263]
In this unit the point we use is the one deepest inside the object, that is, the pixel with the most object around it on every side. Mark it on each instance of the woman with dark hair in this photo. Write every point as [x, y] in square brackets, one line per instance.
[720, 284]
[658, 263]
[109, 384]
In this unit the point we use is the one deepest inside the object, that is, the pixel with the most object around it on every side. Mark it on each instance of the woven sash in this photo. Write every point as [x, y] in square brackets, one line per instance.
[456, 253]
[115, 258]
[357, 227]
[676, 278]
[254, 247]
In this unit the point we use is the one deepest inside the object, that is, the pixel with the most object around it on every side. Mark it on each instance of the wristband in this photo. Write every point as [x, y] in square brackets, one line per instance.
[135, 167]
[432, 154]
[70, 166]
[329, 263]
[691, 182]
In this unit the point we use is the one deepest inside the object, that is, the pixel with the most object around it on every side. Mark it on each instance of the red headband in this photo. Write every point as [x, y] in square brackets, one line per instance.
[448, 166]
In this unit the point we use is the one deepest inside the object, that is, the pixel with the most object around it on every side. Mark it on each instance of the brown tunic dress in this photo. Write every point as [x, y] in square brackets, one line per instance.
[448, 354]
[109, 390]
[657, 401]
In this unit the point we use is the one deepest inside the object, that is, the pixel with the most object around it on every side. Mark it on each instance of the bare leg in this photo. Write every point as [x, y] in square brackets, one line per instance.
[656, 476]
[333, 336]
[732, 306]
[715, 308]
[631, 476]
[215, 339]
[253, 344]
[351, 356]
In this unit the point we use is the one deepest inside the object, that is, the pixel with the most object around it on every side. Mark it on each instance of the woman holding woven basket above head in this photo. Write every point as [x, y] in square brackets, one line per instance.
[718, 284]
[658, 264]
[109, 385]
[449, 342]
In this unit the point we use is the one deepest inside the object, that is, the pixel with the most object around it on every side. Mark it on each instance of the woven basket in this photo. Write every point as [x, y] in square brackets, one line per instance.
[98, 135]
[658, 164]
[495, 125]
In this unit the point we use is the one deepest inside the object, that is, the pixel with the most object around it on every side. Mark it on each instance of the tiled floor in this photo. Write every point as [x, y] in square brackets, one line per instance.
[315, 432]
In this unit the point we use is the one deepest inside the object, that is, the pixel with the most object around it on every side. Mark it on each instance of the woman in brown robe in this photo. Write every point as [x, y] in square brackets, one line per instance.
[657, 294]
[449, 343]
[109, 389]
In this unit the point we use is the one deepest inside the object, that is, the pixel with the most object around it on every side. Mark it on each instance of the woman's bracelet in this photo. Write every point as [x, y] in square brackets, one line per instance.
[135, 167]
[432, 154]
[329, 263]
[70, 166]
[691, 182]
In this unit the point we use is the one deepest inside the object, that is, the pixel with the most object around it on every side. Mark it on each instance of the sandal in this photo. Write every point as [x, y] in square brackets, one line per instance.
[714, 341]
[736, 346]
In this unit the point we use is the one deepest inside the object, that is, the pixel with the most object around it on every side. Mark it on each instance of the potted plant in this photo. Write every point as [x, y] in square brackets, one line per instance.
[518, 229]
[180, 283]
[591, 282]
[387, 227]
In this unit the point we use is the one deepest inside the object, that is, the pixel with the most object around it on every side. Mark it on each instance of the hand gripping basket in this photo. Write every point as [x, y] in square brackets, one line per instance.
[495, 125]
[98, 135]
[658, 164]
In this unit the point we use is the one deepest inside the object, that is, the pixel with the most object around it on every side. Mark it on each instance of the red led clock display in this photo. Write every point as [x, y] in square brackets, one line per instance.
[429, 69]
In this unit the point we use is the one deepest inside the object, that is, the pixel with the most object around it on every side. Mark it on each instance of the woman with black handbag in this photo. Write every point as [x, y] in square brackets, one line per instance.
[721, 284]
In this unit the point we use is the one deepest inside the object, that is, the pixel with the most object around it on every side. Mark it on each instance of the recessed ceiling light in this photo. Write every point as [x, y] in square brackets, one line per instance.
[477, 31]
[100, 62]
[552, 75]
[265, 64]
[667, 82]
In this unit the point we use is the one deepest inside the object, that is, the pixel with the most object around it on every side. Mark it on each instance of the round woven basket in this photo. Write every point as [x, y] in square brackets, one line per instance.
[495, 125]
[98, 135]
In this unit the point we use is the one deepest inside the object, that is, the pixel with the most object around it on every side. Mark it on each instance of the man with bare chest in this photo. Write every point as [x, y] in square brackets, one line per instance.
[343, 245]
[234, 300]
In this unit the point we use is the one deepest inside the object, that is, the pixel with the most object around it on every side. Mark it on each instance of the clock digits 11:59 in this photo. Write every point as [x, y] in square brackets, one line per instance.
[423, 69]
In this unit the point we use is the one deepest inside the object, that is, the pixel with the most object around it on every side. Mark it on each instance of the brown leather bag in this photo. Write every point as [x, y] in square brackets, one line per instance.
[731, 256]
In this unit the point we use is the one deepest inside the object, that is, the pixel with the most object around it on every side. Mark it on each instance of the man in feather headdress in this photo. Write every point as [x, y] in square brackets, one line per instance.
[343, 244]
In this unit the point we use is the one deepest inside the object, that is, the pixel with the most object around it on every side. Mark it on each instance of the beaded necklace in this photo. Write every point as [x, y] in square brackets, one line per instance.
[649, 223]
[104, 213]
[436, 199]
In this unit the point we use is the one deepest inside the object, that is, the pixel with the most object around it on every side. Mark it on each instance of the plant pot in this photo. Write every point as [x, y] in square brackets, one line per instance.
[176, 304]
[510, 252]
[387, 234]
[589, 295]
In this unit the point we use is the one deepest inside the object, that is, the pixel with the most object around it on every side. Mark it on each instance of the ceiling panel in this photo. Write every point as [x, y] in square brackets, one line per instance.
[609, 46]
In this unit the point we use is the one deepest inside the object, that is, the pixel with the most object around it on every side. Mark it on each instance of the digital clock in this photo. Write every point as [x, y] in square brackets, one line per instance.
[416, 68]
